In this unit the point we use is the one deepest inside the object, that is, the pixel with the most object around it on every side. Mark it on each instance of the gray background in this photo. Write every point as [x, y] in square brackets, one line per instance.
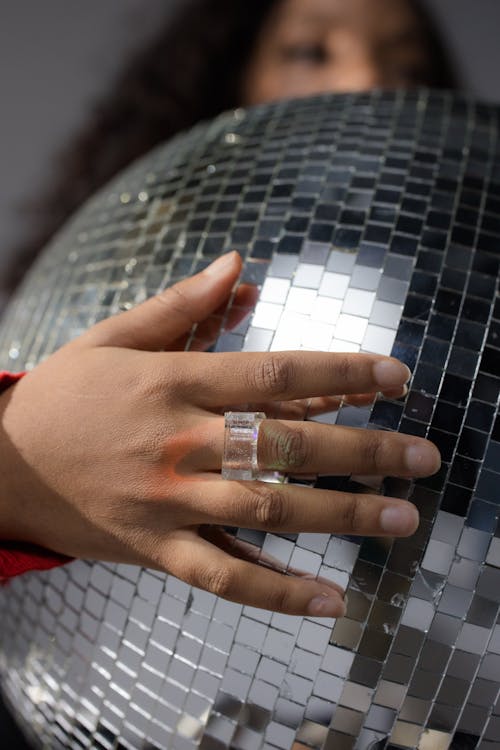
[58, 56]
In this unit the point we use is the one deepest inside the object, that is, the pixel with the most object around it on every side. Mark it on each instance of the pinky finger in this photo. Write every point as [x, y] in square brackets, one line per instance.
[205, 566]
[251, 553]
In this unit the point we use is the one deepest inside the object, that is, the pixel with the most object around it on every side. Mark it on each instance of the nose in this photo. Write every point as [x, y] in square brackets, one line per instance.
[353, 65]
[362, 76]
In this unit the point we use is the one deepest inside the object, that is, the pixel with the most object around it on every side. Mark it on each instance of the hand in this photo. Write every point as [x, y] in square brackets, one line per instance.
[111, 449]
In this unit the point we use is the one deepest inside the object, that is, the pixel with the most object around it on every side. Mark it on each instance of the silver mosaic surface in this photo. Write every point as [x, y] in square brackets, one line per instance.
[371, 223]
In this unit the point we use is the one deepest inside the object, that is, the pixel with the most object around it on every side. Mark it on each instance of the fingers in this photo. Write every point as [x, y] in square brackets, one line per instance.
[364, 399]
[245, 299]
[299, 409]
[251, 553]
[233, 378]
[167, 316]
[293, 509]
[205, 566]
[306, 408]
[207, 330]
[311, 448]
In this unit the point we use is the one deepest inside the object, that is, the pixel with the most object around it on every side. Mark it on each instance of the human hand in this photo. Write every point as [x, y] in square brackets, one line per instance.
[111, 449]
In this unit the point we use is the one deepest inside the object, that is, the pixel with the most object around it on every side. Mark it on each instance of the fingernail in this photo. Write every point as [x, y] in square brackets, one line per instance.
[393, 393]
[326, 605]
[422, 460]
[221, 263]
[400, 519]
[390, 372]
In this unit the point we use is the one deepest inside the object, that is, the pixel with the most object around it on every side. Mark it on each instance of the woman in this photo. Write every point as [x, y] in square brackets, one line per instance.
[91, 474]
[216, 55]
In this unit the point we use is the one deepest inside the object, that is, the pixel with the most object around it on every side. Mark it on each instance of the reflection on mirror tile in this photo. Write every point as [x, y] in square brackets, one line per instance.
[368, 223]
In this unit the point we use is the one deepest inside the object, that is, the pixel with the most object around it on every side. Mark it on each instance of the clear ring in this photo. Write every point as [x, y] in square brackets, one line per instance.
[240, 460]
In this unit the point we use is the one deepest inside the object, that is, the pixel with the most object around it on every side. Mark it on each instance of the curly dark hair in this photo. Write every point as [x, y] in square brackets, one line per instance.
[191, 71]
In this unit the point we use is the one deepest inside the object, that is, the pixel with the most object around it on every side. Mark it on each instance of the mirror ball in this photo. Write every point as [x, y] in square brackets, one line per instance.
[369, 222]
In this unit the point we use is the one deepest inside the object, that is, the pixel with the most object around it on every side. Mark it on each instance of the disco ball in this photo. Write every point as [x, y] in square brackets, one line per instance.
[371, 223]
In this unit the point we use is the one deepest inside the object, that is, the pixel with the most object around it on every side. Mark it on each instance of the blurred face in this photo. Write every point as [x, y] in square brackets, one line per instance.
[312, 46]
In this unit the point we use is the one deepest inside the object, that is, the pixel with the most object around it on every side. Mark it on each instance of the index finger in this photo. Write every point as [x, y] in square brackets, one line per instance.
[233, 378]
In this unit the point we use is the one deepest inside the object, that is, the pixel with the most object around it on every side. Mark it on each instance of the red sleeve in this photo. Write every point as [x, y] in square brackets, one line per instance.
[9, 378]
[18, 557]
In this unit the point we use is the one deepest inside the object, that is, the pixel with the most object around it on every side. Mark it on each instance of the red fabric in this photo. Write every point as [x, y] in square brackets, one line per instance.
[9, 378]
[18, 557]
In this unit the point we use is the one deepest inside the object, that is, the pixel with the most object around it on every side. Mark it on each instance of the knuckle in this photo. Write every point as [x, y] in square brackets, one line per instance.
[351, 514]
[373, 449]
[273, 376]
[270, 509]
[279, 599]
[292, 448]
[344, 368]
[219, 581]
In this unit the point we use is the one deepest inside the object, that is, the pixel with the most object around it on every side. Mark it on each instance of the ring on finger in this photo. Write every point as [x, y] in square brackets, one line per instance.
[239, 459]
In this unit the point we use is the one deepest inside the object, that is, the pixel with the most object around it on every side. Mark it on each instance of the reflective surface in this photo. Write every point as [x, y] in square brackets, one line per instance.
[370, 222]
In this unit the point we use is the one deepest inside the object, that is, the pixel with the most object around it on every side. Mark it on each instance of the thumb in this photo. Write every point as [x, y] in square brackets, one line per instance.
[165, 317]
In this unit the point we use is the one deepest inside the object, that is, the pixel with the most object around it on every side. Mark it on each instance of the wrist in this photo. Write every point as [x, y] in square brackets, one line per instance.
[12, 504]
[16, 557]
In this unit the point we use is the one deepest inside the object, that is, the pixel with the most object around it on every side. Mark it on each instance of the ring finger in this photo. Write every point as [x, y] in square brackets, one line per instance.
[312, 448]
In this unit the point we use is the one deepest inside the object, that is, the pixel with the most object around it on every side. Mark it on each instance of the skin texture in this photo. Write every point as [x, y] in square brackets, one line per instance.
[120, 460]
[314, 46]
